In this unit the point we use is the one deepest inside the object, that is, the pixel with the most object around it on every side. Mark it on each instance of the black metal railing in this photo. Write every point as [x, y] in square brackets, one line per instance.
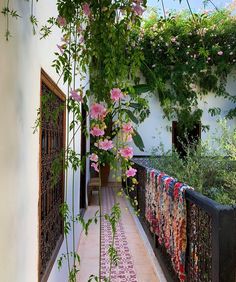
[211, 231]
[211, 236]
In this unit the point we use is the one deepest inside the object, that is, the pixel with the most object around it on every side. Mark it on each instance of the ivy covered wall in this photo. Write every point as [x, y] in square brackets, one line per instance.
[189, 66]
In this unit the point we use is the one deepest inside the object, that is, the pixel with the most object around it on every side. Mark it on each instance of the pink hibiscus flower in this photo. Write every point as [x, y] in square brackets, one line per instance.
[116, 94]
[94, 158]
[131, 172]
[96, 131]
[95, 166]
[97, 111]
[75, 96]
[105, 145]
[127, 152]
[127, 127]
[86, 9]
[61, 21]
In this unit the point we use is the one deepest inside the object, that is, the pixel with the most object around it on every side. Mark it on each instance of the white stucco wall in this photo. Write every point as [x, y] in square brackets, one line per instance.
[155, 130]
[21, 60]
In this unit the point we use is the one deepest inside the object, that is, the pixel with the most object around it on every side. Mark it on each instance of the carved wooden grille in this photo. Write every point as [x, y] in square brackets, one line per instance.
[51, 185]
[199, 256]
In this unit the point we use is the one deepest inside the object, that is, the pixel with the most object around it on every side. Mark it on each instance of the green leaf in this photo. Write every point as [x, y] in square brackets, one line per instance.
[138, 141]
[141, 88]
[131, 116]
[214, 111]
[135, 105]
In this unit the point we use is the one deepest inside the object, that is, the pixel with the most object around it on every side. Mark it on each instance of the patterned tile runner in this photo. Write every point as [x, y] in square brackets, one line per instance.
[124, 272]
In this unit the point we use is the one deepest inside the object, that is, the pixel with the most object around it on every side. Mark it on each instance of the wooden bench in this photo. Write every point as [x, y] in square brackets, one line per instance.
[93, 185]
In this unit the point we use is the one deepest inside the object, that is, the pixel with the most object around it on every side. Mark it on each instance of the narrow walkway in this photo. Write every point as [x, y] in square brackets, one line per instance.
[135, 264]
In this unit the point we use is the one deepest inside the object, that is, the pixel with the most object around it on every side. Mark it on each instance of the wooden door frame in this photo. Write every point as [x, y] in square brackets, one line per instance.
[48, 81]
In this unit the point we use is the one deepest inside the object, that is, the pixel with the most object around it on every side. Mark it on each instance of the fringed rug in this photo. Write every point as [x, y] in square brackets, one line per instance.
[124, 272]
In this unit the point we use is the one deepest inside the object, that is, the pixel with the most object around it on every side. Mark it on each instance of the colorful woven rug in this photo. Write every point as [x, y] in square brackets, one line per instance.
[167, 214]
[124, 272]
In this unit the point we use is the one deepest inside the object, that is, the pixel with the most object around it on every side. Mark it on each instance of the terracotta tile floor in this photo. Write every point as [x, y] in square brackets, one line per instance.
[141, 265]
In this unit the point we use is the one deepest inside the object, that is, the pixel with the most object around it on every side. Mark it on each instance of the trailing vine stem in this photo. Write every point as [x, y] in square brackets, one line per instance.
[212, 3]
[100, 223]
[163, 8]
[190, 9]
[33, 19]
[66, 156]
[73, 175]
[115, 202]
[7, 12]
[7, 15]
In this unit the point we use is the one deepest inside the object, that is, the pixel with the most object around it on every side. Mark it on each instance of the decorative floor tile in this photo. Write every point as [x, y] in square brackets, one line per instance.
[125, 271]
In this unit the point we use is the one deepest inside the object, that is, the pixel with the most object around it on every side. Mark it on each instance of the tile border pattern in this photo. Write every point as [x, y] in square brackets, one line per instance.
[125, 271]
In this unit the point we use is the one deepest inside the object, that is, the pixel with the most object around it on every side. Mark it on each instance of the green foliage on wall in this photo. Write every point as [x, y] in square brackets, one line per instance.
[186, 57]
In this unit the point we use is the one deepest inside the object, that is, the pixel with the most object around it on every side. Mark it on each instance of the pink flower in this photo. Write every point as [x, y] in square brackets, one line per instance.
[128, 138]
[81, 40]
[86, 9]
[97, 111]
[95, 166]
[79, 28]
[61, 48]
[96, 131]
[105, 145]
[131, 172]
[75, 96]
[61, 21]
[64, 39]
[116, 94]
[127, 127]
[220, 53]
[94, 158]
[127, 152]
[138, 10]
[206, 12]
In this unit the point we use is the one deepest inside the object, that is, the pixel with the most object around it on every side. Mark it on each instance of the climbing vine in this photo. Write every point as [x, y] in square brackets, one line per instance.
[186, 57]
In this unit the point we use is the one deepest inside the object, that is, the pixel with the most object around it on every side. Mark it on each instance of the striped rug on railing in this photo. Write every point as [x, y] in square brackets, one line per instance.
[166, 212]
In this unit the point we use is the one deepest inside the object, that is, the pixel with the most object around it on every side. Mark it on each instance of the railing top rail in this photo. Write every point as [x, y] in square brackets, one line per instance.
[206, 203]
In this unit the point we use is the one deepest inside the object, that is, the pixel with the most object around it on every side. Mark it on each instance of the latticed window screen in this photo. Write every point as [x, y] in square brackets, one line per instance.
[52, 175]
